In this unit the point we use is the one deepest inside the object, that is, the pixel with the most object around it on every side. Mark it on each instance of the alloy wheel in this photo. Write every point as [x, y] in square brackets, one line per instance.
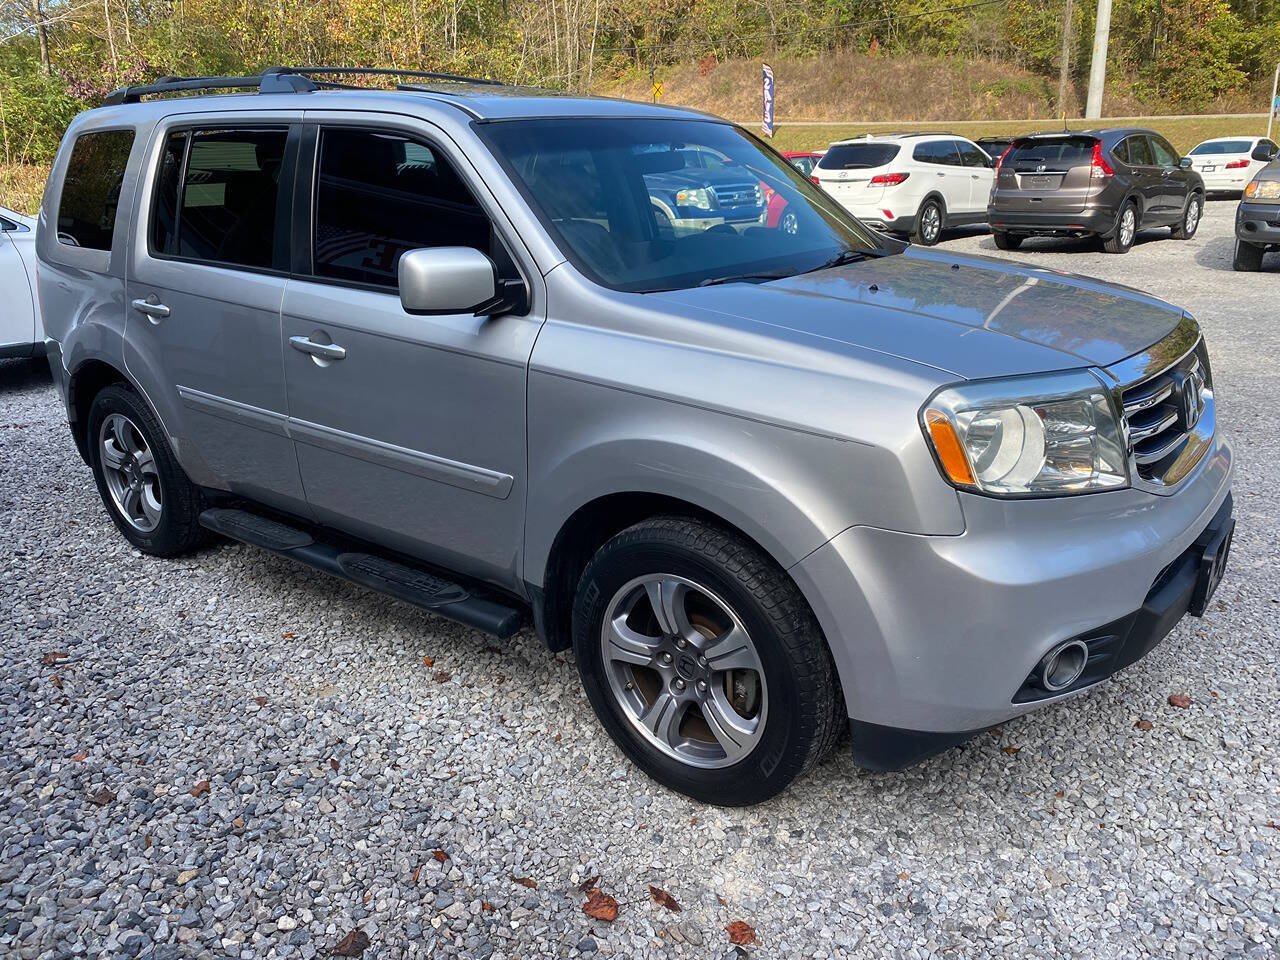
[684, 670]
[930, 223]
[129, 468]
[1193, 217]
[1128, 226]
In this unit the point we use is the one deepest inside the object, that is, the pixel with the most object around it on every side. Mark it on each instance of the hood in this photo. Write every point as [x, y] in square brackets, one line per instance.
[969, 316]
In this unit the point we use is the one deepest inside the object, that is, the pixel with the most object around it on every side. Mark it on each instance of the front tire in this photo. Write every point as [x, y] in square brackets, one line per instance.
[145, 491]
[704, 663]
[1186, 228]
[1248, 258]
[929, 222]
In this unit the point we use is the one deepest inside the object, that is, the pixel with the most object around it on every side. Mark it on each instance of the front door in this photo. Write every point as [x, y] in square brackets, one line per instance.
[411, 431]
[203, 303]
[1146, 178]
[1175, 183]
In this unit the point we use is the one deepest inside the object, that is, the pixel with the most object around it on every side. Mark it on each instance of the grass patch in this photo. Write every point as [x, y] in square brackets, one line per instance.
[22, 185]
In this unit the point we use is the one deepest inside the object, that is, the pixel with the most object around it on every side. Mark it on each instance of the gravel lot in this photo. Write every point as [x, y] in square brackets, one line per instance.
[229, 755]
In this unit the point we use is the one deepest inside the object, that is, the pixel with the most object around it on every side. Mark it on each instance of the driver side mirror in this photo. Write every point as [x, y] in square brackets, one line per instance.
[1185, 163]
[444, 280]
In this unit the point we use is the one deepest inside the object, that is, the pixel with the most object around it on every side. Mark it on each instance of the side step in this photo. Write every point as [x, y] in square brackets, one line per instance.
[415, 585]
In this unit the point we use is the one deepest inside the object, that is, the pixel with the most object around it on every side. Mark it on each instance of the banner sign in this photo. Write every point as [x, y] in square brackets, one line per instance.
[767, 120]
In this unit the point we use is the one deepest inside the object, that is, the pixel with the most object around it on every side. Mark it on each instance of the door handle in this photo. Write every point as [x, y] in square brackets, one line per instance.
[326, 351]
[155, 311]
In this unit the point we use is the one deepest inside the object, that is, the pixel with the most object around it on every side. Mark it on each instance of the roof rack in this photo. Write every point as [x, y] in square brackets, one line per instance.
[279, 80]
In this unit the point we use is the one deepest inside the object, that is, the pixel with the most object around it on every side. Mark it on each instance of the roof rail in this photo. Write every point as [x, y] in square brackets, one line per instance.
[276, 80]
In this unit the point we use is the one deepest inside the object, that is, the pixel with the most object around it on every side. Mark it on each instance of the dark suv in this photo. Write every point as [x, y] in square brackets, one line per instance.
[1103, 183]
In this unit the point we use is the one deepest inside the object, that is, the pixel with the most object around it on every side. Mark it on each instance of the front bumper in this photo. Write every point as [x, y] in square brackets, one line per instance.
[1258, 222]
[1094, 220]
[937, 636]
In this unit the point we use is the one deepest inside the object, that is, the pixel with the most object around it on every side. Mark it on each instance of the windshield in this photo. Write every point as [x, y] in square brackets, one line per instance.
[644, 205]
[858, 156]
[1223, 146]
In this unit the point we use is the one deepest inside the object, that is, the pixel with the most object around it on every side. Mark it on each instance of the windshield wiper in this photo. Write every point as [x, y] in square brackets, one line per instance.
[744, 278]
[839, 260]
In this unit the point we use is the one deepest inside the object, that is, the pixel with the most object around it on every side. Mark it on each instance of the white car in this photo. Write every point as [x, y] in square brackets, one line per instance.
[21, 332]
[1227, 164]
[913, 184]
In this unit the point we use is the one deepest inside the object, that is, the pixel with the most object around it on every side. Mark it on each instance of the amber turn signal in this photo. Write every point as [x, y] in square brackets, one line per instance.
[947, 444]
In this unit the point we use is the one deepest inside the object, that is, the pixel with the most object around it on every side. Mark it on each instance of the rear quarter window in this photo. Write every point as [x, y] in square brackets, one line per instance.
[91, 188]
[858, 156]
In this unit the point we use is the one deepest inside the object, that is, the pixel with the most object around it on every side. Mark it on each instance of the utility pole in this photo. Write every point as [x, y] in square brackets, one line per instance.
[1064, 62]
[1098, 66]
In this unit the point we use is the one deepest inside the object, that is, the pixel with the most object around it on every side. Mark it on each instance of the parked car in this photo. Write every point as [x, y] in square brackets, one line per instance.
[995, 146]
[767, 485]
[805, 160]
[1226, 164]
[21, 332]
[910, 184]
[1103, 183]
[1258, 218]
[703, 189]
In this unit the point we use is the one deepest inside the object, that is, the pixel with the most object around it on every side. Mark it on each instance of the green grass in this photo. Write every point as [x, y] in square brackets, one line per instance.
[1183, 133]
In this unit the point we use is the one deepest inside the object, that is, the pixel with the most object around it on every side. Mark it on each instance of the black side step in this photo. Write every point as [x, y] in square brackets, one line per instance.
[415, 585]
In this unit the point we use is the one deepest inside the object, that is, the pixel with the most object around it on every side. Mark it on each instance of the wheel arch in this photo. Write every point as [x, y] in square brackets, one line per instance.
[84, 383]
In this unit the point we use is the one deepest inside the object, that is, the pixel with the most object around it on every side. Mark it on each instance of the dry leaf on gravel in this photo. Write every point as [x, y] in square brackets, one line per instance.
[79, 757]
[56, 681]
[260, 701]
[333, 763]
[1011, 751]
[663, 899]
[440, 856]
[442, 676]
[288, 635]
[200, 788]
[601, 906]
[428, 661]
[102, 797]
[49, 659]
[526, 882]
[352, 945]
[1143, 725]
[741, 933]
[486, 906]
[1179, 700]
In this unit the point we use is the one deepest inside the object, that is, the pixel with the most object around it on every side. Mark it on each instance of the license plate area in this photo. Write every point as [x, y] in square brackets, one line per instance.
[1208, 168]
[1039, 182]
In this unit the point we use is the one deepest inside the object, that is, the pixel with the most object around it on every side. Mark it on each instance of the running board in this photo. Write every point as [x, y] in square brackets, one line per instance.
[412, 584]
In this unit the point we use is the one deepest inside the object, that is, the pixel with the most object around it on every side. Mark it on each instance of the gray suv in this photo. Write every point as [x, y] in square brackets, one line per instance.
[770, 485]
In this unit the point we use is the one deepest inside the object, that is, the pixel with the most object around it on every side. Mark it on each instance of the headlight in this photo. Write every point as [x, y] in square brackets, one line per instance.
[694, 198]
[1263, 190]
[1028, 436]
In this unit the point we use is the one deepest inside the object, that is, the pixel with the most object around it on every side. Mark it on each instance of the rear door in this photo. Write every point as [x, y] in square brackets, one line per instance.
[208, 270]
[978, 166]
[1046, 174]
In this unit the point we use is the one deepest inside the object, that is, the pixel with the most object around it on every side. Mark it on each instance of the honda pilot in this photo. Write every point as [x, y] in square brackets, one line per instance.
[769, 485]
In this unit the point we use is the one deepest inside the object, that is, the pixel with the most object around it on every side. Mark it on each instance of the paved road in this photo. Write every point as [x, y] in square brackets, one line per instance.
[277, 764]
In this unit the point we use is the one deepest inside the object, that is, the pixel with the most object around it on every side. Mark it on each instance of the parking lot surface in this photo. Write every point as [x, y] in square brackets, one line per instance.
[229, 755]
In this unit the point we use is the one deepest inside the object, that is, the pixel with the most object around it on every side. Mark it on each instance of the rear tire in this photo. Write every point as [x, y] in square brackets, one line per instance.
[929, 223]
[147, 494]
[1006, 241]
[1126, 230]
[1248, 258]
[1186, 228]
[659, 692]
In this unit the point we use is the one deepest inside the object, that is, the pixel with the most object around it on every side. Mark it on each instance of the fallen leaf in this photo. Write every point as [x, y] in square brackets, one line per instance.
[146, 841]
[1272, 824]
[442, 676]
[589, 884]
[102, 797]
[440, 856]
[352, 945]
[238, 823]
[56, 681]
[428, 661]
[663, 899]
[486, 905]
[693, 822]
[1059, 794]
[367, 897]
[904, 875]
[1143, 725]
[1214, 694]
[182, 614]
[601, 906]
[557, 738]
[78, 757]
[526, 882]
[1011, 751]
[260, 701]
[741, 933]
[288, 635]
[1179, 700]
[333, 763]
[49, 659]
[723, 901]
[416, 871]
[200, 788]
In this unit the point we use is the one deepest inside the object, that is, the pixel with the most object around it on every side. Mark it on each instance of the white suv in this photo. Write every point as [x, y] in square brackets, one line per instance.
[914, 184]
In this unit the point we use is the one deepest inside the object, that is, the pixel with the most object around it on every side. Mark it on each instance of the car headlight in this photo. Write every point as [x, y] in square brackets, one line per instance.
[1266, 190]
[1028, 436]
[694, 198]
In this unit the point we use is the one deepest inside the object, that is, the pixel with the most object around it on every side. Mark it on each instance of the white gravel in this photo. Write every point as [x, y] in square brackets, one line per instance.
[1068, 832]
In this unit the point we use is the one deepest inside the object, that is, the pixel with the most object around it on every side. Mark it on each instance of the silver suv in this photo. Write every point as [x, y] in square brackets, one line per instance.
[445, 341]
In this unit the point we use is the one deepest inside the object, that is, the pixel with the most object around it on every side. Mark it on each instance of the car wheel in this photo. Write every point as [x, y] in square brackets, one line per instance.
[789, 223]
[1126, 229]
[1006, 241]
[1248, 257]
[928, 224]
[1186, 228]
[144, 489]
[704, 663]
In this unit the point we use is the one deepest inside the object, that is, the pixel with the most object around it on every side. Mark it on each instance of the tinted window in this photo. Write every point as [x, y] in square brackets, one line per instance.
[1140, 152]
[606, 191]
[935, 151]
[971, 155]
[1052, 154]
[1121, 151]
[91, 188]
[1164, 153]
[218, 198]
[1221, 147]
[380, 194]
[858, 156]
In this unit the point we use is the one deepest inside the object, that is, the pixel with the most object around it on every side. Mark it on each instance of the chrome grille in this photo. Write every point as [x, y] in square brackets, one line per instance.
[738, 194]
[1162, 411]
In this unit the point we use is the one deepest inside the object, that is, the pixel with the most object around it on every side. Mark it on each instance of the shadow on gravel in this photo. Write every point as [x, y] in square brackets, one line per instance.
[18, 375]
[1077, 244]
[1219, 254]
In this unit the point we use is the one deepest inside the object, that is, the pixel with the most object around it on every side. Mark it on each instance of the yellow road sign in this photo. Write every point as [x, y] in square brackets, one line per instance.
[657, 89]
